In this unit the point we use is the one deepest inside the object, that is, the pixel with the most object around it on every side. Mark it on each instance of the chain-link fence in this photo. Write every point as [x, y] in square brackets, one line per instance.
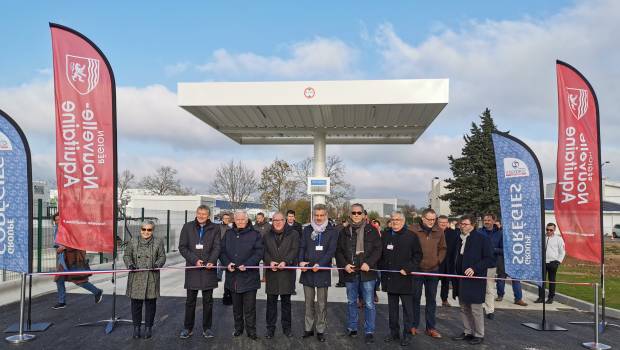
[168, 225]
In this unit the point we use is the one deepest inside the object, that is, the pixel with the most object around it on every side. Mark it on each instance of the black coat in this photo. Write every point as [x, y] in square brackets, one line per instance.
[282, 281]
[200, 279]
[346, 250]
[405, 255]
[242, 247]
[295, 227]
[452, 239]
[308, 253]
[478, 256]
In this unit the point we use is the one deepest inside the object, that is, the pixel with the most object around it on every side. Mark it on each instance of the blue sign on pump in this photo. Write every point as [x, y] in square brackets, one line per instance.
[519, 185]
[15, 198]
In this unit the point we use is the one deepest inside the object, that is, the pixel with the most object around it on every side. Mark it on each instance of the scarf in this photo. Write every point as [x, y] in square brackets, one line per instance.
[359, 231]
[317, 229]
[464, 239]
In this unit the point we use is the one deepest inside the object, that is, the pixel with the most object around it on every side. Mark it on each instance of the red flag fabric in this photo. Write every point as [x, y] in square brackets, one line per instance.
[577, 201]
[85, 142]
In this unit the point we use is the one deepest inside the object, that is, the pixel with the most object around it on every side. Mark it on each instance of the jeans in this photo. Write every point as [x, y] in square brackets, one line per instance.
[149, 312]
[62, 292]
[368, 293]
[190, 309]
[272, 312]
[430, 294]
[516, 288]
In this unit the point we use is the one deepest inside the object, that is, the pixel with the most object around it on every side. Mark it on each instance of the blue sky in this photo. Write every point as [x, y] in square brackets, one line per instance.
[496, 54]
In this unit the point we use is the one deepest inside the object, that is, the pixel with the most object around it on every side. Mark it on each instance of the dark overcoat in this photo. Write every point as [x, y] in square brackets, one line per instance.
[406, 254]
[345, 253]
[280, 282]
[242, 247]
[200, 279]
[452, 239]
[477, 255]
[309, 253]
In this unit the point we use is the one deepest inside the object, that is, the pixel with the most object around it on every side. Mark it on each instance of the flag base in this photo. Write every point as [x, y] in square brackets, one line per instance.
[109, 323]
[20, 338]
[34, 327]
[544, 326]
[595, 346]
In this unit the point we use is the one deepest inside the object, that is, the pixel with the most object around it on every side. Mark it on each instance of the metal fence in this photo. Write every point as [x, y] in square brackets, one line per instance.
[168, 225]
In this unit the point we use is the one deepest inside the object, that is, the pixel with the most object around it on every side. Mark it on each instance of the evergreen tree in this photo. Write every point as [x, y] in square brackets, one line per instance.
[473, 184]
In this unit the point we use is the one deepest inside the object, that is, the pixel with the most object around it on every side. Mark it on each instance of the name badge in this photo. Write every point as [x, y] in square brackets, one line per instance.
[198, 246]
[390, 247]
[319, 247]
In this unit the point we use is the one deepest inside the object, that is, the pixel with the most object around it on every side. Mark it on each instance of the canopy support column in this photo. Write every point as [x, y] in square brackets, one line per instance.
[319, 162]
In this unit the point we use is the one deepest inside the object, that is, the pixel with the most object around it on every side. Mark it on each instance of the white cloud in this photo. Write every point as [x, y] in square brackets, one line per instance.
[319, 58]
[176, 68]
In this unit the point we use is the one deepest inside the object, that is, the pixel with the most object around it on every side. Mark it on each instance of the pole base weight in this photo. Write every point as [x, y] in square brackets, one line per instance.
[109, 323]
[35, 327]
[543, 326]
[595, 346]
[20, 338]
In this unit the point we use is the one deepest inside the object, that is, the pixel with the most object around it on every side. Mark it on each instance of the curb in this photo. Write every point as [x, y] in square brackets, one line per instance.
[573, 302]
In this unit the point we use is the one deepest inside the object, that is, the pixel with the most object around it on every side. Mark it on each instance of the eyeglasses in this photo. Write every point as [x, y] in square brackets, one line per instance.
[275, 220]
[433, 219]
[549, 230]
[146, 229]
[357, 212]
[464, 224]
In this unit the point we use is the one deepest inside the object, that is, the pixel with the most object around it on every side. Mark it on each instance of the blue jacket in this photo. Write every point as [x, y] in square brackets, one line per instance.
[242, 247]
[496, 239]
[308, 252]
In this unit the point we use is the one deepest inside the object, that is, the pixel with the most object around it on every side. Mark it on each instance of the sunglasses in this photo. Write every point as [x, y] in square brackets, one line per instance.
[357, 212]
[146, 229]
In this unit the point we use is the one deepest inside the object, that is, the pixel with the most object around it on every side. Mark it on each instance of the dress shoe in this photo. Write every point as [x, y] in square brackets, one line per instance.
[369, 338]
[148, 332]
[433, 333]
[351, 333]
[445, 303]
[287, 333]
[491, 316]
[237, 333]
[320, 337]
[390, 338]
[406, 341]
[539, 301]
[136, 332]
[476, 341]
[549, 301]
[269, 335]
[252, 336]
[520, 302]
[307, 334]
[463, 336]
[186, 333]
[499, 298]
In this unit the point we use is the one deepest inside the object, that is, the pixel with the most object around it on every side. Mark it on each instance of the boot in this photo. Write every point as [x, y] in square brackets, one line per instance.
[136, 332]
[148, 332]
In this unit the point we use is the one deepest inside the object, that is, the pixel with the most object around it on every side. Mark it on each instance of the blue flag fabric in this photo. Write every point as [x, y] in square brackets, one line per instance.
[520, 194]
[15, 198]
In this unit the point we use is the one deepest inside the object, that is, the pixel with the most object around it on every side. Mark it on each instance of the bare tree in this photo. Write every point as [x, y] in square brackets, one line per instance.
[163, 182]
[276, 186]
[125, 181]
[235, 181]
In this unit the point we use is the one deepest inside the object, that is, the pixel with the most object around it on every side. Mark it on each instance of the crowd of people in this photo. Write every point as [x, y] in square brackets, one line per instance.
[368, 259]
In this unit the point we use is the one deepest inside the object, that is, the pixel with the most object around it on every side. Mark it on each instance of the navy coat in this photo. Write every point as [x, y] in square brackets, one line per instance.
[452, 240]
[477, 255]
[308, 253]
[200, 279]
[242, 247]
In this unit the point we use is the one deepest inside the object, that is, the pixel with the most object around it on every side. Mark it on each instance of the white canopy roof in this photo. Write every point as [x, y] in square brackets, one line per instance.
[348, 112]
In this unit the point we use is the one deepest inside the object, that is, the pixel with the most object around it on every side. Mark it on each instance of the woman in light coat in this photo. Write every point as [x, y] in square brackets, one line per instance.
[144, 252]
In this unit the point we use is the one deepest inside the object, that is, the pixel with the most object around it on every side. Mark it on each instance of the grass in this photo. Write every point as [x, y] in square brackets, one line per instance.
[612, 287]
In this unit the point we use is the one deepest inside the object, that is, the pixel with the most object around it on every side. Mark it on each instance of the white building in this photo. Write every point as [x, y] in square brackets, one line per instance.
[611, 191]
[438, 189]
[40, 190]
[383, 206]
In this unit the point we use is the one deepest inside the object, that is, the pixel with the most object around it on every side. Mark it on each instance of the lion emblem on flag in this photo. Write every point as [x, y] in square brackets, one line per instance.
[577, 102]
[82, 73]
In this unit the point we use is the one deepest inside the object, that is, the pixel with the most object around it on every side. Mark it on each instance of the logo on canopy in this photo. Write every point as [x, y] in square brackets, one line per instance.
[82, 73]
[309, 92]
[577, 102]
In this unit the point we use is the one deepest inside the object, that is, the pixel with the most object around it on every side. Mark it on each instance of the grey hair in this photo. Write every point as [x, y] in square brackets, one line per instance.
[277, 213]
[241, 212]
[398, 213]
[148, 222]
[319, 207]
[204, 207]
